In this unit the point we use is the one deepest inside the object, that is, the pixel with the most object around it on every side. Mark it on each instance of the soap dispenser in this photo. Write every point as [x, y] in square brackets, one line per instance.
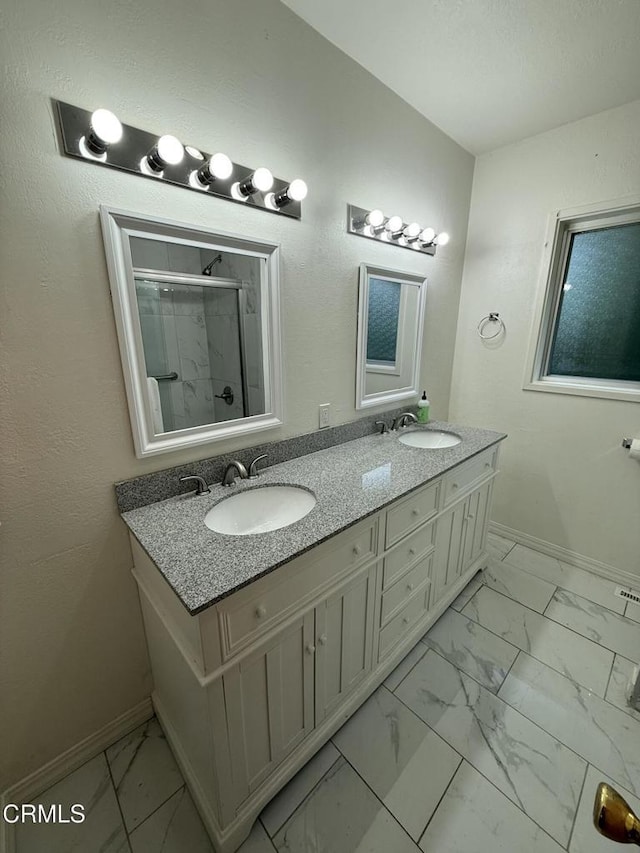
[423, 409]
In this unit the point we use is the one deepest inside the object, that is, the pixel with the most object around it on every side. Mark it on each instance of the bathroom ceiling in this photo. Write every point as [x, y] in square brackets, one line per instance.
[491, 72]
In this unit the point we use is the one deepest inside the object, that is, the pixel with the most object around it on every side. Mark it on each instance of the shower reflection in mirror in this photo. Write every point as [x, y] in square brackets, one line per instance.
[200, 333]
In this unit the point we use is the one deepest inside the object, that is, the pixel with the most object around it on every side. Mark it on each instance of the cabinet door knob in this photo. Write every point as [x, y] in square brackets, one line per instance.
[322, 639]
[471, 515]
[410, 587]
[406, 620]
[357, 550]
[412, 551]
[487, 464]
[454, 485]
[415, 512]
[311, 649]
[261, 611]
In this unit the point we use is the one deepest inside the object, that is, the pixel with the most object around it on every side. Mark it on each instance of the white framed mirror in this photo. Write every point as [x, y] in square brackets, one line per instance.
[391, 308]
[198, 320]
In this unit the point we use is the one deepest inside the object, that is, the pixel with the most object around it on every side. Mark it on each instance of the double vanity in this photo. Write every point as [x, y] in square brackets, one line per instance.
[265, 640]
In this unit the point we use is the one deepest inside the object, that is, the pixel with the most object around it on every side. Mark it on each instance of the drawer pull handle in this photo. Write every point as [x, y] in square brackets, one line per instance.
[412, 551]
[311, 649]
[470, 516]
[405, 620]
[322, 639]
[409, 587]
[261, 611]
[357, 550]
[415, 512]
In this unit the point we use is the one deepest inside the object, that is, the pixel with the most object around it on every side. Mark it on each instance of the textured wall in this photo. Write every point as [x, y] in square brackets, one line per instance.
[246, 77]
[565, 478]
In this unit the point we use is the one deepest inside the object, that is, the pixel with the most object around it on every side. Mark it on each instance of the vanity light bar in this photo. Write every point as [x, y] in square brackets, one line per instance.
[99, 137]
[374, 225]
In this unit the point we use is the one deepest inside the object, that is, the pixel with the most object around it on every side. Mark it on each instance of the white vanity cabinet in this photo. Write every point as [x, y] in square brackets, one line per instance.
[249, 689]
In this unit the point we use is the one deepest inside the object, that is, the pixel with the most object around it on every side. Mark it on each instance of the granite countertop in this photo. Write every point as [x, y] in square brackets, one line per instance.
[350, 482]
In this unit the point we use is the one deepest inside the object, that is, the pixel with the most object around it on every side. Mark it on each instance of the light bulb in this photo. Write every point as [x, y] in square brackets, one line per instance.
[393, 224]
[374, 218]
[104, 129]
[412, 230]
[221, 166]
[442, 239]
[427, 235]
[218, 166]
[296, 191]
[106, 126]
[260, 180]
[170, 150]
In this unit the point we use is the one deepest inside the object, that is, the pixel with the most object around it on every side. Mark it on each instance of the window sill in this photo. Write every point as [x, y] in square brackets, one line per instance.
[626, 391]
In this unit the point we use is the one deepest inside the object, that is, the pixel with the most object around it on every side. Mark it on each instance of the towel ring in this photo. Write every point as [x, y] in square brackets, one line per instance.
[492, 317]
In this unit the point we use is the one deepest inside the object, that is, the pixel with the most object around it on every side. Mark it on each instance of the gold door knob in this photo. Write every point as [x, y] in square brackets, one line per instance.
[613, 816]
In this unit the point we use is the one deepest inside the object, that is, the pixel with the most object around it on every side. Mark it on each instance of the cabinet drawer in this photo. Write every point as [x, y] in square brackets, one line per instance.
[464, 478]
[400, 592]
[406, 553]
[411, 512]
[403, 622]
[253, 611]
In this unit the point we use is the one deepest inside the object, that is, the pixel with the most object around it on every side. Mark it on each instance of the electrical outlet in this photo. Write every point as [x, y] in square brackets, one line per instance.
[324, 415]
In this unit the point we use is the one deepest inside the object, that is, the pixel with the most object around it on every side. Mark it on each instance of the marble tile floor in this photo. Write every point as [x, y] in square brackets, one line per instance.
[492, 734]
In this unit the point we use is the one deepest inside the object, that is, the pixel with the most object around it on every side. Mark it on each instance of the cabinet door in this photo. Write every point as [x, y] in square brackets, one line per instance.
[476, 520]
[449, 548]
[269, 704]
[344, 640]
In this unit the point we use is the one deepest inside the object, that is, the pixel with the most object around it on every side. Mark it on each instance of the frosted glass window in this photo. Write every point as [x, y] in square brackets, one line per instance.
[597, 325]
[384, 312]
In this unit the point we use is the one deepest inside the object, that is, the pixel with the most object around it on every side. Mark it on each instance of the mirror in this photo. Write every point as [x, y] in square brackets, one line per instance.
[390, 322]
[197, 315]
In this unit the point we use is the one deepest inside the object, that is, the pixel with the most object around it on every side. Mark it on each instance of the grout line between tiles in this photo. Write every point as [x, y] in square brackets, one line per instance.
[306, 797]
[364, 781]
[115, 791]
[606, 689]
[601, 644]
[528, 651]
[477, 769]
[444, 794]
[181, 787]
[259, 820]
[575, 817]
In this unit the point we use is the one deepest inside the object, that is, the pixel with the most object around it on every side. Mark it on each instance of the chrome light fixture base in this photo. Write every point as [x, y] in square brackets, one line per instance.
[357, 224]
[131, 150]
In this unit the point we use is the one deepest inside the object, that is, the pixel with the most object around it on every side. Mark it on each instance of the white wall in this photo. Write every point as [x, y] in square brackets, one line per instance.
[246, 77]
[565, 479]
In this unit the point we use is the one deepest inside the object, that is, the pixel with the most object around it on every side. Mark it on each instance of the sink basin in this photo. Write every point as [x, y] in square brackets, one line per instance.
[431, 439]
[260, 510]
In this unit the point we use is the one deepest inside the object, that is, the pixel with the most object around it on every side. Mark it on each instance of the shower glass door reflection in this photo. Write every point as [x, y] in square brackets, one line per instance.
[195, 355]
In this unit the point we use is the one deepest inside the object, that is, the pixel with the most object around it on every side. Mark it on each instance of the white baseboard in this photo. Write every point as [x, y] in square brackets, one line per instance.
[38, 781]
[604, 570]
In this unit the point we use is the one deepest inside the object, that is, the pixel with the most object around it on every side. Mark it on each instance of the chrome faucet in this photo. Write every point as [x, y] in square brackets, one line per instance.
[401, 420]
[382, 424]
[230, 473]
[253, 471]
[202, 488]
